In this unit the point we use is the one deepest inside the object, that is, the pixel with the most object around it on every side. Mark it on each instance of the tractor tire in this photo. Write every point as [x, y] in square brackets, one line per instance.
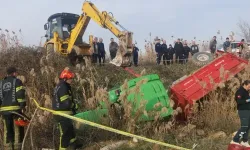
[202, 58]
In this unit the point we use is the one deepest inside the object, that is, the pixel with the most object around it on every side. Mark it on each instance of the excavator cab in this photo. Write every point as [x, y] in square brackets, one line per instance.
[62, 23]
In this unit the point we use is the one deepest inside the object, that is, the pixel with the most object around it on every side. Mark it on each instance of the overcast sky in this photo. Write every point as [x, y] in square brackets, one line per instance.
[181, 18]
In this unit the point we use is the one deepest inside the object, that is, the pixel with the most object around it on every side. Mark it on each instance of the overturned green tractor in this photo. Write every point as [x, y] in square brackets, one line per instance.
[145, 93]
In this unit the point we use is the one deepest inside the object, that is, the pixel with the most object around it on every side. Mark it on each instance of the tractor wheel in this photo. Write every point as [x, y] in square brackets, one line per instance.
[202, 58]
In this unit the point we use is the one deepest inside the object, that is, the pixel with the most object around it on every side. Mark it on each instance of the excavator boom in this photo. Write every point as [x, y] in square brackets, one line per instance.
[106, 21]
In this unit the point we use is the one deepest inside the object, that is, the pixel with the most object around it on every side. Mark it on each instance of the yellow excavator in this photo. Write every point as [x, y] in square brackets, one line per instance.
[64, 32]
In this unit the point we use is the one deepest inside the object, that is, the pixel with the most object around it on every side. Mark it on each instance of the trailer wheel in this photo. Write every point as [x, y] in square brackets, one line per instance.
[202, 58]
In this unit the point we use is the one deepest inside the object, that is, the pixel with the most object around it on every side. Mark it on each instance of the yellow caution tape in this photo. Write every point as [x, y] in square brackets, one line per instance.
[109, 128]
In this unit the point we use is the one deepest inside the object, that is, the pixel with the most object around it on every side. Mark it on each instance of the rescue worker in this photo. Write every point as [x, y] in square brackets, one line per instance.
[135, 55]
[243, 106]
[158, 50]
[212, 45]
[226, 44]
[63, 102]
[186, 52]
[12, 99]
[164, 49]
[179, 51]
[95, 54]
[242, 48]
[194, 48]
[101, 51]
[113, 48]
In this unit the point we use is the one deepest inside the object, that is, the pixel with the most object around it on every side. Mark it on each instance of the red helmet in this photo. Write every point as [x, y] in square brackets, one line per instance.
[66, 74]
[21, 122]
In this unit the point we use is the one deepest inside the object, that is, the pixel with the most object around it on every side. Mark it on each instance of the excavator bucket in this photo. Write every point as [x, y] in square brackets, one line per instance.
[124, 53]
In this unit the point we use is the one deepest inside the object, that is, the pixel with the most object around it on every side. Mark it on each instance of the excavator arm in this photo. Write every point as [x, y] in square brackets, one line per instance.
[108, 22]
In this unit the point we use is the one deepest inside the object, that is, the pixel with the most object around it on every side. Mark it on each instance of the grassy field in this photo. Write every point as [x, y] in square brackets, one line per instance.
[211, 127]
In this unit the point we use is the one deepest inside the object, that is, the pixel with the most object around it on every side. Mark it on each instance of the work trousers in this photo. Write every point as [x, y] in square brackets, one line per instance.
[179, 58]
[67, 133]
[95, 58]
[135, 59]
[245, 124]
[112, 55]
[167, 59]
[101, 58]
[13, 134]
[159, 57]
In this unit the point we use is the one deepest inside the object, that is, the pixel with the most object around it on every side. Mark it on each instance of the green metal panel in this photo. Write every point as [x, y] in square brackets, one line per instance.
[152, 92]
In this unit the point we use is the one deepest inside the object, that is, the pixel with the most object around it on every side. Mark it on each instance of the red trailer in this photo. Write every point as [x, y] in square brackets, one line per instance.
[190, 89]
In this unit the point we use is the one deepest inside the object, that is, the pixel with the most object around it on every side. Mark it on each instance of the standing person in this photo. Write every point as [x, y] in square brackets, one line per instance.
[179, 51]
[242, 47]
[186, 52]
[170, 55]
[113, 48]
[194, 48]
[95, 54]
[12, 98]
[135, 55]
[212, 45]
[164, 49]
[226, 44]
[63, 102]
[243, 106]
[101, 51]
[158, 50]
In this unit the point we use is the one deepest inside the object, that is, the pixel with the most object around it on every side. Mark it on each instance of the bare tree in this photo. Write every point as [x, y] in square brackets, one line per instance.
[244, 27]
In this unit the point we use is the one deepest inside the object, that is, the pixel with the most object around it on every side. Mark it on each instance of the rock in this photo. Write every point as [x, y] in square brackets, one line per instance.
[114, 145]
[182, 135]
[188, 128]
[135, 140]
[218, 135]
[200, 132]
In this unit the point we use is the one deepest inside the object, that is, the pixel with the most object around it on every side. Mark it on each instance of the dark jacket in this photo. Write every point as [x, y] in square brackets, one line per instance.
[178, 48]
[186, 51]
[241, 96]
[63, 99]
[95, 48]
[194, 49]
[12, 94]
[158, 48]
[113, 47]
[164, 48]
[135, 51]
[101, 49]
[212, 45]
[226, 45]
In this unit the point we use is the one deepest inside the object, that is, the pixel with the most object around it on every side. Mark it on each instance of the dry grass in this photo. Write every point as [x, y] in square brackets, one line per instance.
[217, 113]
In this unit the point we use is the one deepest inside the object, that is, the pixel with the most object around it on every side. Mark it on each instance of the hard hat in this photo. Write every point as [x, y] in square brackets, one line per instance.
[66, 74]
[21, 122]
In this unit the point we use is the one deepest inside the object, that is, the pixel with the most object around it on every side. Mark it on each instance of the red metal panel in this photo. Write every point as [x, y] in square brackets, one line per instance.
[206, 79]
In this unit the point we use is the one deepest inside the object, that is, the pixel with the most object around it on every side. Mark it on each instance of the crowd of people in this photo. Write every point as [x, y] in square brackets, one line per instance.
[99, 51]
[181, 50]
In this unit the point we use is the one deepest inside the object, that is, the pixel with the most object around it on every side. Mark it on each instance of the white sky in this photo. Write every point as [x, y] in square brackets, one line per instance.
[163, 18]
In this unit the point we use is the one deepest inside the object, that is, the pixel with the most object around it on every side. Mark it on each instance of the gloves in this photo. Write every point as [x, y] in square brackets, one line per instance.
[248, 100]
